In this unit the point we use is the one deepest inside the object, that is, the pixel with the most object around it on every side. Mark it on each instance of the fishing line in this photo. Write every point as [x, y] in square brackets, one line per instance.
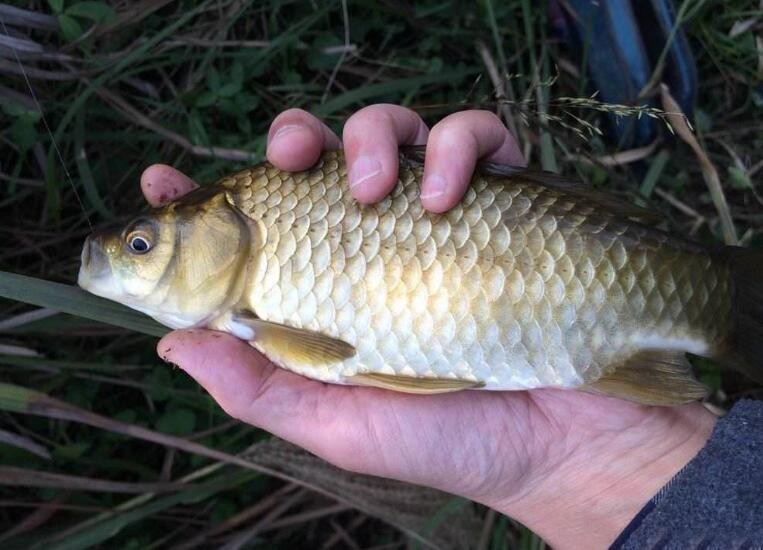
[45, 122]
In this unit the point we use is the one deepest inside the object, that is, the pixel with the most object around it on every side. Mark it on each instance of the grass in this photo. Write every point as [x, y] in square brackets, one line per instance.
[195, 84]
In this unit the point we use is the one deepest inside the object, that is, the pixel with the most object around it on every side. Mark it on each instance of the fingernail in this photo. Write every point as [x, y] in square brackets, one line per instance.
[283, 130]
[433, 186]
[362, 169]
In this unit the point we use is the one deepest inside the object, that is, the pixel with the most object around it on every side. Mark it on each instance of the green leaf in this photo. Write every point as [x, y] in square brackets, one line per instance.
[291, 77]
[206, 99]
[229, 90]
[56, 5]
[757, 98]
[74, 300]
[739, 178]
[95, 11]
[712, 379]
[128, 416]
[177, 422]
[656, 166]
[70, 28]
[702, 121]
[83, 393]
[223, 509]
[159, 381]
[16, 398]
[71, 451]
[23, 132]
[213, 79]
[231, 107]
[237, 74]
[317, 59]
[18, 110]
[198, 133]
[247, 102]
[245, 125]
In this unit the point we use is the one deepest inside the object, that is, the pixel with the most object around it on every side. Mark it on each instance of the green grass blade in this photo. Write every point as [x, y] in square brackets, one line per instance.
[16, 398]
[365, 93]
[656, 167]
[105, 530]
[75, 301]
[83, 167]
[12, 476]
[453, 506]
[74, 366]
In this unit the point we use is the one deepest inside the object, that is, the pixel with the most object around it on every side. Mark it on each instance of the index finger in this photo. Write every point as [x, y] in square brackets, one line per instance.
[296, 139]
[162, 184]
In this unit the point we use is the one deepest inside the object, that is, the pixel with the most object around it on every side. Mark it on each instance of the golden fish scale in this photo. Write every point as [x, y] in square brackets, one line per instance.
[518, 286]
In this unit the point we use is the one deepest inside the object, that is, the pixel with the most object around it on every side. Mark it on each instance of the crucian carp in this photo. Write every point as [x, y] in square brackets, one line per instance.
[531, 281]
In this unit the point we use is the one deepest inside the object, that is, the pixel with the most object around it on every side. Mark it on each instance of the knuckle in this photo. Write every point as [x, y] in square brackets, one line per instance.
[394, 123]
[483, 128]
[294, 112]
[451, 123]
[466, 120]
[378, 114]
[293, 116]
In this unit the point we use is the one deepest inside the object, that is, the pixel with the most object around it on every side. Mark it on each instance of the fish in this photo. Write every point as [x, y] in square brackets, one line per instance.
[531, 281]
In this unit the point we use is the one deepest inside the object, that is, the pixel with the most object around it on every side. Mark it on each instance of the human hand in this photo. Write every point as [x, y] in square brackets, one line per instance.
[572, 466]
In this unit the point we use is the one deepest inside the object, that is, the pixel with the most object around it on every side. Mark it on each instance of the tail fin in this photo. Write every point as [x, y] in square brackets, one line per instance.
[745, 343]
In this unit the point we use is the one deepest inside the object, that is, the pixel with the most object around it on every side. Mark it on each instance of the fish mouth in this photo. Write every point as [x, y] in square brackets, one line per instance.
[94, 263]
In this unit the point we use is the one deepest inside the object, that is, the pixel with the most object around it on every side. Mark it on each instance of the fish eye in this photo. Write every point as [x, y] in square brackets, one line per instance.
[138, 243]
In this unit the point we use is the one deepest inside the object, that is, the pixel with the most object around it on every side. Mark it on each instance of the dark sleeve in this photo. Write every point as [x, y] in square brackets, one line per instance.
[716, 500]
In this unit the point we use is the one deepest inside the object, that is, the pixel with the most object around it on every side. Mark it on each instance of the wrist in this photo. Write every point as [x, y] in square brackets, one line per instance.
[587, 499]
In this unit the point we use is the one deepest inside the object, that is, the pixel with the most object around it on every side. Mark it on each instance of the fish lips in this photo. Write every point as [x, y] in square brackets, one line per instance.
[95, 265]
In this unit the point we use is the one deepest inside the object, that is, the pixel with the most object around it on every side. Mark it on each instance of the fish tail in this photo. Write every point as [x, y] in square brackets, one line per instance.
[744, 345]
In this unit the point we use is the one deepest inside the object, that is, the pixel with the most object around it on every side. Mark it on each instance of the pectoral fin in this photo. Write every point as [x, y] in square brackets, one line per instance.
[295, 345]
[412, 384]
[652, 377]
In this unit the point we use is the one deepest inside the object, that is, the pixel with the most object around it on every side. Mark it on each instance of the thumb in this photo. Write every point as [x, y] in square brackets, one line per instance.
[249, 387]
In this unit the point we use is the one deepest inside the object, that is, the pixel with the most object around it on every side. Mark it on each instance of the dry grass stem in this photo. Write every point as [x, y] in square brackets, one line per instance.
[618, 159]
[135, 116]
[710, 174]
[499, 86]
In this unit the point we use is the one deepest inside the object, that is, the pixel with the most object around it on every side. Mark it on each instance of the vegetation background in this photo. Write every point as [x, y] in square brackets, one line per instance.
[103, 444]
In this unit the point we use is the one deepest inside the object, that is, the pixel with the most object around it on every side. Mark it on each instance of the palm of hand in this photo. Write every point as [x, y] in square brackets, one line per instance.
[488, 446]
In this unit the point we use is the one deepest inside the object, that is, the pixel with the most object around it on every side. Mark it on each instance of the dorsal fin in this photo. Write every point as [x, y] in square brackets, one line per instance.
[414, 154]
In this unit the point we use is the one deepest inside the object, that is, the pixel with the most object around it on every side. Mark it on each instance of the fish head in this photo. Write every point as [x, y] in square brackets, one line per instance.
[183, 264]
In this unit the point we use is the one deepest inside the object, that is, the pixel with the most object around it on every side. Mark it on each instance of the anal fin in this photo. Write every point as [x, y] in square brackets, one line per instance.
[412, 384]
[652, 377]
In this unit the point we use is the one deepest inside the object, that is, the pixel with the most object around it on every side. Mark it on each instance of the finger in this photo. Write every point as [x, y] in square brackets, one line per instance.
[455, 144]
[161, 184]
[248, 387]
[296, 139]
[371, 139]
